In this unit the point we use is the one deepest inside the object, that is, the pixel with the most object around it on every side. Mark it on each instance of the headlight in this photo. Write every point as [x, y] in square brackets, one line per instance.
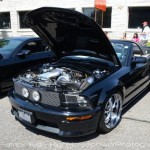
[77, 101]
[36, 96]
[25, 93]
[82, 102]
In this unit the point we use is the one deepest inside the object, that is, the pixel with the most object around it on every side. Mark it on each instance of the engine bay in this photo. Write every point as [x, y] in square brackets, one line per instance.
[62, 77]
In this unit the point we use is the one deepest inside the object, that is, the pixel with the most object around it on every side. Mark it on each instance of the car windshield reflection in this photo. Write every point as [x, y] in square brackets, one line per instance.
[122, 50]
[7, 46]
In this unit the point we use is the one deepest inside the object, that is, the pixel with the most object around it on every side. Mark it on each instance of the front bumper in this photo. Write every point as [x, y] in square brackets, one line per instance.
[54, 121]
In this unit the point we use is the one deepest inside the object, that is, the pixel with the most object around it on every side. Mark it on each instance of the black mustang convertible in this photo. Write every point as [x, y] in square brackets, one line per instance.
[89, 84]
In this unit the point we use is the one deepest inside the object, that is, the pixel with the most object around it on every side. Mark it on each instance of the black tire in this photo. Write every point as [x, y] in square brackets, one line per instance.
[103, 127]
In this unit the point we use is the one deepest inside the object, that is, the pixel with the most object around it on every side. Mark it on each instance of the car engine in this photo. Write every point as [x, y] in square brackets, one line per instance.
[59, 77]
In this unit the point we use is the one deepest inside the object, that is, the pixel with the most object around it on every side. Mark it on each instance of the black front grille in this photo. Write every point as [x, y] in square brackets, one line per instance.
[50, 98]
[47, 97]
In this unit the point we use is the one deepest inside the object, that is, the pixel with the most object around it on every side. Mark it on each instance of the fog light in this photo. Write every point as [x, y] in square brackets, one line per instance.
[25, 93]
[36, 95]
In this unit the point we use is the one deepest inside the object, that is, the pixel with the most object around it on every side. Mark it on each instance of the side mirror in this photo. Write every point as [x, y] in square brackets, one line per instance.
[23, 53]
[138, 60]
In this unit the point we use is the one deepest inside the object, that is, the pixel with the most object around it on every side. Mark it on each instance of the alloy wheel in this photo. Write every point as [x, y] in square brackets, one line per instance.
[113, 109]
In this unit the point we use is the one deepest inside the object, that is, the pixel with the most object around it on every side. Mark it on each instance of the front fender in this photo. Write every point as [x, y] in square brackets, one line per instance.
[108, 90]
[100, 92]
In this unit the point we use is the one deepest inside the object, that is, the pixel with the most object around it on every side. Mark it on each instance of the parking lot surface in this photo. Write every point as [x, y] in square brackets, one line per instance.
[132, 133]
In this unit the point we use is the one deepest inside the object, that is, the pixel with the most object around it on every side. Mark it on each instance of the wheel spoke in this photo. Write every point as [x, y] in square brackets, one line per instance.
[107, 119]
[117, 104]
[107, 111]
[110, 104]
[114, 104]
[113, 115]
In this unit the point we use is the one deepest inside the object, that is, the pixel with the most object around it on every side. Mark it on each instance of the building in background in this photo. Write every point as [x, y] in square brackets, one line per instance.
[120, 16]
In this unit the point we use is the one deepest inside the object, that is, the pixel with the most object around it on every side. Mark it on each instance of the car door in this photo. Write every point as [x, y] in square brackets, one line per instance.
[138, 76]
[38, 54]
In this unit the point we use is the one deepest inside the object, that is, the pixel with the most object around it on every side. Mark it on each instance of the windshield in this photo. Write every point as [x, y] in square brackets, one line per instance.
[122, 50]
[7, 46]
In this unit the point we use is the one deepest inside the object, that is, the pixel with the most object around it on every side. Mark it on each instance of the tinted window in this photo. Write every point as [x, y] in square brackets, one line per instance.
[90, 12]
[5, 20]
[136, 50]
[21, 18]
[137, 15]
[35, 46]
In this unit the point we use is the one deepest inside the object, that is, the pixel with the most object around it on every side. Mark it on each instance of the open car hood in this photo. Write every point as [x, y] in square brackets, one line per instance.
[66, 30]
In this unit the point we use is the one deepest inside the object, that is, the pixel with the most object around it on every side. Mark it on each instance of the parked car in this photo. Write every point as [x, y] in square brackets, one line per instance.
[17, 54]
[86, 90]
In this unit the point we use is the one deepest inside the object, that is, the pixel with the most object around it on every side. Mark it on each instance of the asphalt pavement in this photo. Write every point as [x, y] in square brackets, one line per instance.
[133, 133]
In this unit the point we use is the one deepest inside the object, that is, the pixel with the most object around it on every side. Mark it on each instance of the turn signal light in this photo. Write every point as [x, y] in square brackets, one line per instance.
[79, 118]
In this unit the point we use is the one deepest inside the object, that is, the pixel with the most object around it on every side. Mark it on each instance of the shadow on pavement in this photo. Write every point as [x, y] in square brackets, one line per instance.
[63, 139]
[3, 95]
[139, 120]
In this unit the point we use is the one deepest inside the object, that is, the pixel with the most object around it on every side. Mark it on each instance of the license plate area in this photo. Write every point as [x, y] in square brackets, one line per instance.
[26, 116]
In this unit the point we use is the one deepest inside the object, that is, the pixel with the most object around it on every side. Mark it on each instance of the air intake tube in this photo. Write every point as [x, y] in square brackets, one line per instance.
[87, 81]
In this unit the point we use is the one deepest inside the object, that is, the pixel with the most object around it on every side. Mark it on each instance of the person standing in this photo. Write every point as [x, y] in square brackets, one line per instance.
[145, 33]
[146, 28]
[135, 37]
[124, 36]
